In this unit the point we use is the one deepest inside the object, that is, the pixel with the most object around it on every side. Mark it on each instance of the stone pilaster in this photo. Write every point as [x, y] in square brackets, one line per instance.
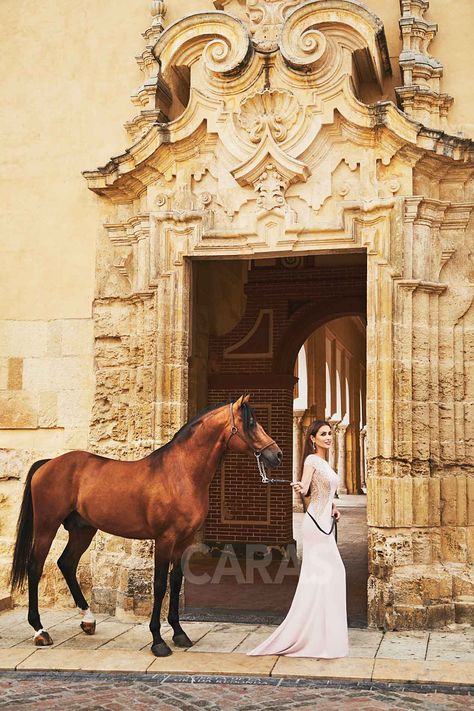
[363, 458]
[418, 513]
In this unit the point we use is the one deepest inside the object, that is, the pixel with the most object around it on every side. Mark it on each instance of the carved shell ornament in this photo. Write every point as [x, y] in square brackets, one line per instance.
[275, 110]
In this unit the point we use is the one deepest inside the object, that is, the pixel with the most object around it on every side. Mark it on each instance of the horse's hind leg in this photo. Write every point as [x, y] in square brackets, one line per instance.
[43, 540]
[180, 638]
[80, 538]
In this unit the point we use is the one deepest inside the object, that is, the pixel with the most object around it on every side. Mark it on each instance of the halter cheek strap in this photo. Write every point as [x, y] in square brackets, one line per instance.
[234, 431]
[256, 452]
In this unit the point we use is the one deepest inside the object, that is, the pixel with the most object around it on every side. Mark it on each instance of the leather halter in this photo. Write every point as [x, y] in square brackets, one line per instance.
[256, 452]
[234, 431]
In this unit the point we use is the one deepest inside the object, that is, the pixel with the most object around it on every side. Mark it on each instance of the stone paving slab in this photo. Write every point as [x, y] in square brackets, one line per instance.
[105, 630]
[209, 663]
[84, 660]
[423, 671]
[20, 632]
[11, 658]
[255, 637]
[137, 637]
[344, 668]
[225, 638]
[403, 645]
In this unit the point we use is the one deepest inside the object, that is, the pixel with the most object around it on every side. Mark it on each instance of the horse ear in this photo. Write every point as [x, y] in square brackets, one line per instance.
[246, 398]
[240, 401]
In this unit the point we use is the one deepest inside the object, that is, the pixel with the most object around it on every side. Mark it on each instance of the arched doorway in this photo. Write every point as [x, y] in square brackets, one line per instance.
[331, 371]
[250, 319]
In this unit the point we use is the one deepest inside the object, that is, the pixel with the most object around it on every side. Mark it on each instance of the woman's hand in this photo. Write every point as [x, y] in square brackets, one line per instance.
[298, 487]
[335, 512]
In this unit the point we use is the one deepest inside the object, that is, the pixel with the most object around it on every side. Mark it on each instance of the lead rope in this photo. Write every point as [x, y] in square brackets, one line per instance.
[263, 472]
[333, 525]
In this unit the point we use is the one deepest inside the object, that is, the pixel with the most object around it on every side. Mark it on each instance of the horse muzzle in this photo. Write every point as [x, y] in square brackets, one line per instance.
[272, 456]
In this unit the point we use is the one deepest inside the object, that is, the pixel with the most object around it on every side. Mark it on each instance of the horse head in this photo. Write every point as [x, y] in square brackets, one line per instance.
[246, 434]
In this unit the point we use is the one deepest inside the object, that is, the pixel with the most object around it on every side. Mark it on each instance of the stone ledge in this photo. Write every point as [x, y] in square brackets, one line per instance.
[238, 665]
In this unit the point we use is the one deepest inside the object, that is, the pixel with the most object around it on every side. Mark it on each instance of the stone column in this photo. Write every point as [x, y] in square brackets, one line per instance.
[297, 453]
[333, 421]
[341, 456]
[363, 458]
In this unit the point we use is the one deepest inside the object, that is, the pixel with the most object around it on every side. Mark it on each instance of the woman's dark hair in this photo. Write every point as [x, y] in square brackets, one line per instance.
[308, 449]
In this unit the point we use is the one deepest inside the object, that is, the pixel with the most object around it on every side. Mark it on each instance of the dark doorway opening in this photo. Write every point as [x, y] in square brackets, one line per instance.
[251, 320]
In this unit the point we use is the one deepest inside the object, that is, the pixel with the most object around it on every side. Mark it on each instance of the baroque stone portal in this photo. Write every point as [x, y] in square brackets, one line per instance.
[254, 140]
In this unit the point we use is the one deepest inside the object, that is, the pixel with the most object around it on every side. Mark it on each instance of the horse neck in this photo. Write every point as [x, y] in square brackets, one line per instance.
[207, 447]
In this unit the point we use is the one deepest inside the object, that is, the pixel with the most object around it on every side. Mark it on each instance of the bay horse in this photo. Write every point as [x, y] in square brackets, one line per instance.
[164, 496]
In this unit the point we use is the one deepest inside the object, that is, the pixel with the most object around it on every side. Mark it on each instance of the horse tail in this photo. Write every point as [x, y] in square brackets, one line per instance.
[24, 533]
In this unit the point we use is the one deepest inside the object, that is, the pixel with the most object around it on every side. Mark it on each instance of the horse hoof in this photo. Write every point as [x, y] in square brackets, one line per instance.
[88, 627]
[182, 640]
[161, 650]
[43, 639]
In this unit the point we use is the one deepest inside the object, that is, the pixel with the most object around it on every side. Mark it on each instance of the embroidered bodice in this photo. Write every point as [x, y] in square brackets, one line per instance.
[323, 486]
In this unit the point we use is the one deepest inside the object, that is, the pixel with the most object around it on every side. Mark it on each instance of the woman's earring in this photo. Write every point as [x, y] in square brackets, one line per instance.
[314, 444]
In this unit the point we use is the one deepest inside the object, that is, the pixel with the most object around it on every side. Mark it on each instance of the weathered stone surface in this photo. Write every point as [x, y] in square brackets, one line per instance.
[18, 410]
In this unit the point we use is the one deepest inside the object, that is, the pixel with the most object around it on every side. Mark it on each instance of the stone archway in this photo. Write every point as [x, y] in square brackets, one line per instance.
[323, 171]
[335, 358]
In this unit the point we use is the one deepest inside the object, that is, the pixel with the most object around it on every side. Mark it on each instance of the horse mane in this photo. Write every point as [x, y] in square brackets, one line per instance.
[248, 417]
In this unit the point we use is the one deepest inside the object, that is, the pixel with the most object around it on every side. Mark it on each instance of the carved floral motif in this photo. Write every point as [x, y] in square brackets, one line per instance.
[271, 187]
[266, 18]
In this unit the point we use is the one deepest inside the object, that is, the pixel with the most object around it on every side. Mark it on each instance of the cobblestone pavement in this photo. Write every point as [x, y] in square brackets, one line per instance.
[94, 692]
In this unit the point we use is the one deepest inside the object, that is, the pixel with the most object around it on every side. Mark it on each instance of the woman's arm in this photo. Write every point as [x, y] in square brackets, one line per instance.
[302, 487]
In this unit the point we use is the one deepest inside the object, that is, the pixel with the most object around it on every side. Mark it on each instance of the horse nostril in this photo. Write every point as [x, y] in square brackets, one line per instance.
[279, 456]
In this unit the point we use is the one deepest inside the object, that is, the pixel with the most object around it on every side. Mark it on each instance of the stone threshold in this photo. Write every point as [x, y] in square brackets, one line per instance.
[366, 669]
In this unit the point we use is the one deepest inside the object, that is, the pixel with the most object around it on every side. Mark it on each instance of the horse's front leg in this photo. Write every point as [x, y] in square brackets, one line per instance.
[180, 638]
[159, 646]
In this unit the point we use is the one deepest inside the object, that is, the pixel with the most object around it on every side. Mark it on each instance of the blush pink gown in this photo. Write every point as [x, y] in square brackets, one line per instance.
[316, 623]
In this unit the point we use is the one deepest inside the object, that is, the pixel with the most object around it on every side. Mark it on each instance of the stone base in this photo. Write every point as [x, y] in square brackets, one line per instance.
[420, 597]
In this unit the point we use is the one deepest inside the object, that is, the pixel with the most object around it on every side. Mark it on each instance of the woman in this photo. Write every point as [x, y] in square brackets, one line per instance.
[316, 624]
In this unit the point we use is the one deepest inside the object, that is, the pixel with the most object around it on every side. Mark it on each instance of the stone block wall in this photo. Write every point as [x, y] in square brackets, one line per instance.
[46, 394]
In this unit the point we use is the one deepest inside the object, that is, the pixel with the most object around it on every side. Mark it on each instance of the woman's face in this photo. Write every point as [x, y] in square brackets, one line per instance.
[323, 437]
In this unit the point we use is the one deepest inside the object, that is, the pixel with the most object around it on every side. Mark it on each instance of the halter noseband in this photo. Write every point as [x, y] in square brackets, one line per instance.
[256, 452]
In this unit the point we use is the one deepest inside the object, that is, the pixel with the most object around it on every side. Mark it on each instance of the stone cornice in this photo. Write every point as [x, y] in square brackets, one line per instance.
[437, 213]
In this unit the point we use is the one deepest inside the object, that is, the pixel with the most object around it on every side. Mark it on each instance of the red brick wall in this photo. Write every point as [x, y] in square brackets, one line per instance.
[241, 507]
